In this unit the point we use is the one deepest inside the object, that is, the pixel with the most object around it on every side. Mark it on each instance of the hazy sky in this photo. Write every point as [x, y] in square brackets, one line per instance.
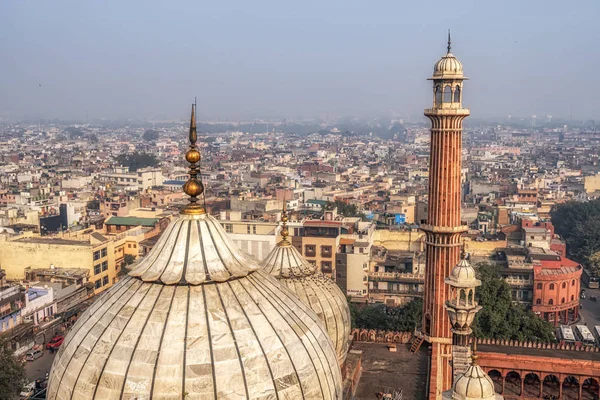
[245, 59]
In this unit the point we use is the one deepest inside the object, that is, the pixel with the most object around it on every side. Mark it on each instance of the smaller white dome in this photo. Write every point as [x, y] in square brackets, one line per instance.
[448, 67]
[474, 384]
[463, 275]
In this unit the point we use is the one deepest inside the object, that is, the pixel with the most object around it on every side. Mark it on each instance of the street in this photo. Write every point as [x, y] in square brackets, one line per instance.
[591, 309]
[38, 368]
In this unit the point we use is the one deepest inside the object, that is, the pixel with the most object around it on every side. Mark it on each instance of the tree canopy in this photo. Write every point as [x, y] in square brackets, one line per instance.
[379, 316]
[12, 373]
[345, 209]
[150, 135]
[579, 224]
[137, 160]
[499, 317]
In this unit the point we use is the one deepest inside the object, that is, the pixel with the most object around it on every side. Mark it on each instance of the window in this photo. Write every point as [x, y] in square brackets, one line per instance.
[361, 250]
[247, 228]
[572, 297]
[128, 245]
[552, 286]
[228, 228]
[573, 282]
[326, 266]
[310, 250]
[447, 94]
[97, 269]
[325, 251]
[105, 281]
[104, 265]
[562, 301]
[564, 285]
[96, 255]
[457, 94]
[98, 284]
[539, 286]
[538, 301]
[254, 229]
[438, 95]
[135, 246]
[103, 252]
[551, 301]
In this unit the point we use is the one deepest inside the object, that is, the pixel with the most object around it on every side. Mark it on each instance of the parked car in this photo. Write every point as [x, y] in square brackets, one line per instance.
[28, 390]
[55, 343]
[34, 354]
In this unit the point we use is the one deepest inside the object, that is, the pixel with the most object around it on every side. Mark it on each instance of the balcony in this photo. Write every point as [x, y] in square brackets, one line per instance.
[396, 277]
[406, 292]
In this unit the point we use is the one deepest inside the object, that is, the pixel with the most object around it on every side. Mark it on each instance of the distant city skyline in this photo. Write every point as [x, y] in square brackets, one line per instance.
[147, 60]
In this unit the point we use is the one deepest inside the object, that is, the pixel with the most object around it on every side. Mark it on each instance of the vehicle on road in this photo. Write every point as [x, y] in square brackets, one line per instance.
[34, 354]
[590, 279]
[566, 334]
[28, 390]
[55, 343]
[584, 335]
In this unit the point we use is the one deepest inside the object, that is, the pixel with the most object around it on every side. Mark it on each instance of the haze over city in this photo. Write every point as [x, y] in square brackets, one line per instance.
[148, 59]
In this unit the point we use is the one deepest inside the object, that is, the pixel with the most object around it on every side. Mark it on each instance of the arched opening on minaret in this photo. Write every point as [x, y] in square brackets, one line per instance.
[447, 94]
[438, 95]
[457, 94]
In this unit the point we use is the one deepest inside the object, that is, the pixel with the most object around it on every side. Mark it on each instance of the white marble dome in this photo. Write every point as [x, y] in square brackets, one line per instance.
[196, 319]
[474, 384]
[319, 292]
[463, 275]
[448, 67]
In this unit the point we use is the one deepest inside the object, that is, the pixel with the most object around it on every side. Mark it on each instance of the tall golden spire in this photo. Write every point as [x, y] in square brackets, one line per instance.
[284, 230]
[193, 187]
[449, 42]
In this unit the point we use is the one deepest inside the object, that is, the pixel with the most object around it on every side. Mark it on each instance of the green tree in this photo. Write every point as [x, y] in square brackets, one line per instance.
[12, 373]
[150, 135]
[345, 209]
[579, 224]
[499, 317]
[379, 316]
[137, 160]
[128, 259]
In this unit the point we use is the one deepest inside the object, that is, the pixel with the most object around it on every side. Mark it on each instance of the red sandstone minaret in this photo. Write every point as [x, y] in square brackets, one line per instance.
[443, 227]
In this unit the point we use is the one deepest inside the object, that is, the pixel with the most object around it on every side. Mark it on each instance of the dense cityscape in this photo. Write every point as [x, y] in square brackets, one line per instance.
[444, 256]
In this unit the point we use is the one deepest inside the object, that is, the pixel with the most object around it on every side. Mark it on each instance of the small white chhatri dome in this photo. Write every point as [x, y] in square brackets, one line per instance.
[448, 66]
[316, 290]
[474, 384]
[196, 319]
[463, 275]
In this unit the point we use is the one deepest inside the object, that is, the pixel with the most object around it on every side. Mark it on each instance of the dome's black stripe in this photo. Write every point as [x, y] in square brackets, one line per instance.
[210, 347]
[114, 344]
[140, 284]
[185, 336]
[283, 346]
[237, 350]
[267, 293]
[139, 337]
[166, 266]
[162, 336]
[257, 338]
[106, 300]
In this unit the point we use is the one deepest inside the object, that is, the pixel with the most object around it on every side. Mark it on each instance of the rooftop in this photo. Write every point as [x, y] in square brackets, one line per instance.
[53, 240]
[383, 369]
[132, 221]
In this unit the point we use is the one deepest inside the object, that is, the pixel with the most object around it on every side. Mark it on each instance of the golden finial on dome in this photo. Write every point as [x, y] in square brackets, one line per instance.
[449, 41]
[463, 251]
[193, 187]
[284, 230]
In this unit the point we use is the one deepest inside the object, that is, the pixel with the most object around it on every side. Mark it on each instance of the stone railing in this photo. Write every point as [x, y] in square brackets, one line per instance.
[379, 336]
[537, 345]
